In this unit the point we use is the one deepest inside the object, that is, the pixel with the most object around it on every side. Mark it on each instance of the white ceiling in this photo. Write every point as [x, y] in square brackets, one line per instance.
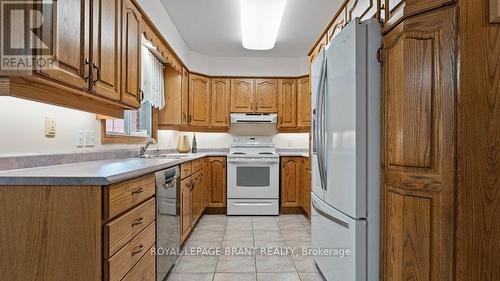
[212, 27]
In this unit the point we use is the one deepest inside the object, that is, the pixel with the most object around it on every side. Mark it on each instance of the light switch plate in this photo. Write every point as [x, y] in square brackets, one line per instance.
[80, 140]
[50, 127]
[89, 138]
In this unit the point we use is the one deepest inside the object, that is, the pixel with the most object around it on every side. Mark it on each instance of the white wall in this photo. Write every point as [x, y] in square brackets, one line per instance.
[22, 124]
[159, 16]
[168, 139]
[248, 66]
[231, 66]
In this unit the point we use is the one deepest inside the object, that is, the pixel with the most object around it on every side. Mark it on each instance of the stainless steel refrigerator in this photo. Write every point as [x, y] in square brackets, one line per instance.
[346, 154]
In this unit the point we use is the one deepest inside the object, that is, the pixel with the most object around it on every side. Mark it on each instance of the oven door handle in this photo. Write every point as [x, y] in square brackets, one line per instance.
[252, 161]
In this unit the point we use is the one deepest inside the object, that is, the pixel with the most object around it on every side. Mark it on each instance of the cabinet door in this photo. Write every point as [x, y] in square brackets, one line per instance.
[266, 95]
[395, 10]
[290, 180]
[305, 186]
[287, 103]
[304, 102]
[220, 102]
[131, 54]
[106, 48]
[217, 170]
[194, 199]
[199, 100]
[185, 207]
[418, 147]
[185, 97]
[242, 95]
[171, 114]
[71, 43]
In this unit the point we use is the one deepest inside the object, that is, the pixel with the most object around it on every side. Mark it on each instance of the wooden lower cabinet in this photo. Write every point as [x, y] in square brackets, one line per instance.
[290, 181]
[296, 184]
[65, 233]
[194, 194]
[305, 183]
[185, 207]
[419, 147]
[217, 182]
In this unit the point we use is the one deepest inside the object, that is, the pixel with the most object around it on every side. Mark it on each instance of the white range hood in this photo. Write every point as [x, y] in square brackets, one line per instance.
[254, 118]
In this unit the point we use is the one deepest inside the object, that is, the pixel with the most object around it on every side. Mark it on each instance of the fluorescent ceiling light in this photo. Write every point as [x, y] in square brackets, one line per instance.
[260, 23]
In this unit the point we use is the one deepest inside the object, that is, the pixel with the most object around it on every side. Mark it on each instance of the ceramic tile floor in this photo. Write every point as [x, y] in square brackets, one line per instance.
[240, 234]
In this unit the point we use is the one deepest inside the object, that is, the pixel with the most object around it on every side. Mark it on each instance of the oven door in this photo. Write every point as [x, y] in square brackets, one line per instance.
[253, 178]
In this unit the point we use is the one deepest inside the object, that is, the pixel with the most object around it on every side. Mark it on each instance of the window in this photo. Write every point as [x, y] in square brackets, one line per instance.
[135, 127]
[136, 123]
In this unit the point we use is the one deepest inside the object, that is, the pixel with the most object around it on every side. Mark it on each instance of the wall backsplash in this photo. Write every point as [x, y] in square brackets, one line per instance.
[23, 123]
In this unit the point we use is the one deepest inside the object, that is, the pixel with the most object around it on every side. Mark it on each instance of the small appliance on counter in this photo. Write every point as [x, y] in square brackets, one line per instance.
[183, 144]
[252, 177]
[194, 147]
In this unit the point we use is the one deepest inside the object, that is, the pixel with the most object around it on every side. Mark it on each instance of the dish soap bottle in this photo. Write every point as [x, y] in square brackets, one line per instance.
[194, 147]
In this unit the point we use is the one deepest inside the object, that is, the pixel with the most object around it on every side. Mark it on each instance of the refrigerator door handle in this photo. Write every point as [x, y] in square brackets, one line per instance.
[330, 217]
[322, 123]
[317, 134]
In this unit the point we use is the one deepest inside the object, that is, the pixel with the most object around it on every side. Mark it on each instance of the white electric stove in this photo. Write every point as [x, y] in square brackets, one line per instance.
[252, 177]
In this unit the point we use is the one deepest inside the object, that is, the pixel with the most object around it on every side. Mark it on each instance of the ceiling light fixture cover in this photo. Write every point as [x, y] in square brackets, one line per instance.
[260, 23]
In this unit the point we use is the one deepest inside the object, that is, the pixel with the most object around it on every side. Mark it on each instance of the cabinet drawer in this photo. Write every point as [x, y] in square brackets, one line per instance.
[186, 169]
[123, 196]
[121, 230]
[121, 263]
[144, 270]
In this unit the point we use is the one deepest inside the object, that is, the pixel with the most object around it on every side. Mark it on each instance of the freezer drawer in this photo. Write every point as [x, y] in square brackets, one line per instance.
[332, 230]
[253, 207]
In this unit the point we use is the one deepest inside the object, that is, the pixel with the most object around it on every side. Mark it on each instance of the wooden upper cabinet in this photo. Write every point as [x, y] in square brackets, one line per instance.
[395, 10]
[287, 103]
[266, 95]
[419, 146]
[290, 181]
[131, 54]
[171, 114]
[71, 43]
[304, 102]
[199, 100]
[106, 48]
[242, 95]
[217, 172]
[220, 102]
[185, 98]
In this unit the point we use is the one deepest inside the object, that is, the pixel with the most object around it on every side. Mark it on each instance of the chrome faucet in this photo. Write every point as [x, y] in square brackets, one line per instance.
[142, 152]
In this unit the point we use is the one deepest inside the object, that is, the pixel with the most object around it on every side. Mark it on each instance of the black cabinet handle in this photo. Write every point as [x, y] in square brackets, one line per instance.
[141, 98]
[98, 73]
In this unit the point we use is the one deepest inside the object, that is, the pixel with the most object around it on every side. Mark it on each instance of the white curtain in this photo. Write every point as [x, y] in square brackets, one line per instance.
[152, 79]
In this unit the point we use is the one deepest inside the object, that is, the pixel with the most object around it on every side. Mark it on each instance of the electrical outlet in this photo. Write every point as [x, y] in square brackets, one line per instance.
[50, 127]
[290, 143]
[89, 138]
[80, 139]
